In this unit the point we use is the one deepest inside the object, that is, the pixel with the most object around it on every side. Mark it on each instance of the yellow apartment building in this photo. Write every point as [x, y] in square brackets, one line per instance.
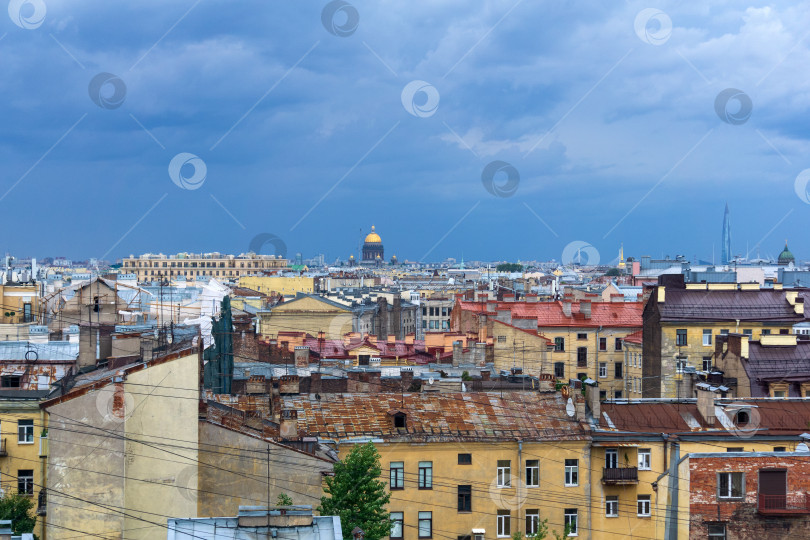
[20, 303]
[287, 286]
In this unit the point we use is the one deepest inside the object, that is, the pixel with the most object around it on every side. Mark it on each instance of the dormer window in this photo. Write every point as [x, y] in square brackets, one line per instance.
[742, 419]
[399, 418]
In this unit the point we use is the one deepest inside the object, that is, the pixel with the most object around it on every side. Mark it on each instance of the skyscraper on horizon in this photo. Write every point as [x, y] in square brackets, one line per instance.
[725, 256]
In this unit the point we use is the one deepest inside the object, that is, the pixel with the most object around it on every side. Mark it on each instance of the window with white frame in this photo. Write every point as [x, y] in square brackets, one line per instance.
[25, 481]
[570, 521]
[25, 431]
[707, 337]
[425, 525]
[611, 458]
[644, 459]
[612, 506]
[571, 472]
[643, 502]
[504, 524]
[730, 485]
[680, 364]
[504, 475]
[532, 521]
[602, 369]
[532, 473]
[707, 363]
[717, 531]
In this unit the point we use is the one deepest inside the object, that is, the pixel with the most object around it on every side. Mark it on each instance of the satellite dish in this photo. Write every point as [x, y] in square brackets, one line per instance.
[430, 380]
[570, 410]
[802, 447]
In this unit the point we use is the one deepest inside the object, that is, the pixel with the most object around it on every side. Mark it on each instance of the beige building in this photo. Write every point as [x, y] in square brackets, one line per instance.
[283, 285]
[149, 267]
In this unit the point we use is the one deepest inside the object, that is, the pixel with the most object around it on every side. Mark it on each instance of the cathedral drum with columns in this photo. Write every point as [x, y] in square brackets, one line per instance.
[373, 247]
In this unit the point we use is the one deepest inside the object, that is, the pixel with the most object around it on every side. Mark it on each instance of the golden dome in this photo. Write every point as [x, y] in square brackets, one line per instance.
[373, 238]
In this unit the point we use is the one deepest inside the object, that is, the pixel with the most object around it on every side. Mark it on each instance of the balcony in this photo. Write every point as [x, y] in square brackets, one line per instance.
[783, 505]
[3, 452]
[617, 476]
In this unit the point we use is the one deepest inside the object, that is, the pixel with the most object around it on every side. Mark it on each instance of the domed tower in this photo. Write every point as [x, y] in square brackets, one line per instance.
[373, 247]
[394, 260]
[786, 257]
[352, 262]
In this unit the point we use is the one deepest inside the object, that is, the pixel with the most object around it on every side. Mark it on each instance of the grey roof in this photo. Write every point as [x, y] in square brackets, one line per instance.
[778, 362]
[727, 305]
[51, 350]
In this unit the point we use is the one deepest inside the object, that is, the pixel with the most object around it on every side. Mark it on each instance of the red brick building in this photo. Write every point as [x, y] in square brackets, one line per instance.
[749, 495]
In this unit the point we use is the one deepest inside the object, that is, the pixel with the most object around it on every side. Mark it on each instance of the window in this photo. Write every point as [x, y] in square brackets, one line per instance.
[504, 524]
[643, 503]
[465, 498]
[425, 475]
[465, 459]
[724, 332]
[611, 458]
[766, 331]
[612, 506]
[582, 335]
[570, 521]
[532, 473]
[644, 459]
[717, 531]
[734, 449]
[680, 337]
[25, 481]
[582, 356]
[707, 337]
[501, 339]
[397, 475]
[748, 332]
[707, 363]
[680, 364]
[425, 524]
[779, 449]
[742, 418]
[397, 519]
[25, 431]
[603, 369]
[10, 381]
[571, 472]
[602, 395]
[532, 520]
[730, 485]
[602, 343]
[618, 344]
[617, 394]
[617, 370]
[559, 370]
[559, 344]
[504, 476]
[27, 312]
[784, 331]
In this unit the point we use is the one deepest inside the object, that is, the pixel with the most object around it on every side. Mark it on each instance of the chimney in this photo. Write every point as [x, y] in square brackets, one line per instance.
[566, 307]
[289, 424]
[407, 378]
[301, 357]
[87, 346]
[316, 386]
[617, 298]
[579, 403]
[585, 308]
[592, 401]
[662, 294]
[484, 374]
[392, 339]
[458, 353]
[705, 404]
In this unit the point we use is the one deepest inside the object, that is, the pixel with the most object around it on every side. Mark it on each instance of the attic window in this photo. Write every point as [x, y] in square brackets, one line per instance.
[399, 421]
[742, 418]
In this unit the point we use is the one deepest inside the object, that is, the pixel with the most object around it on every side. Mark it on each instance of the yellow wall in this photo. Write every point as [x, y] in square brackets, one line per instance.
[306, 315]
[22, 455]
[515, 348]
[550, 498]
[14, 298]
[280, 285]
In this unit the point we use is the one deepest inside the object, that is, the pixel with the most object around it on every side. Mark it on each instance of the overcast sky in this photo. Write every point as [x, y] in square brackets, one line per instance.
[132, 127]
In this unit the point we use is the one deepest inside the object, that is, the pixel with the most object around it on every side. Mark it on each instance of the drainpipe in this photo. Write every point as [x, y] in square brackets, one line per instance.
[519, 486]
[671, 531]
[590, 491]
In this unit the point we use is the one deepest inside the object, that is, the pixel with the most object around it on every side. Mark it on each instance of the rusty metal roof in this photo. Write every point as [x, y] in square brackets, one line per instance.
[434, 417]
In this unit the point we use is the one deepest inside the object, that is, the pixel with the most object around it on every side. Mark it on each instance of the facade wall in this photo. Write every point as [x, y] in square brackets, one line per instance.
[234, 472]
[288, 286]
[516, 348]
[152, 267]
[20, 304]
[550, 498]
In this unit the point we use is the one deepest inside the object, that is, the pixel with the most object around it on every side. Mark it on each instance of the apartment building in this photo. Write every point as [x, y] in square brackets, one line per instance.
[151, 267]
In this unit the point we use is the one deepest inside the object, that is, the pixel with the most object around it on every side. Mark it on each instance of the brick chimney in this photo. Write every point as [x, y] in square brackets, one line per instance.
[585, 308]
[566, 307]
[407, 378]
[289, 424]
[484, 374]
[705, 404]
[302, 357]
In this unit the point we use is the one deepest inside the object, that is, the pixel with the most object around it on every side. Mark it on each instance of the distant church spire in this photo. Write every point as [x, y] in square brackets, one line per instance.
[725, 256]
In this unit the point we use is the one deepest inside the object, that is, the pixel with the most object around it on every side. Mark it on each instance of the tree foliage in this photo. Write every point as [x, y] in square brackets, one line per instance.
[542, 532]
[357, 495]
[284, 500]
[509, 267]
[18, 508]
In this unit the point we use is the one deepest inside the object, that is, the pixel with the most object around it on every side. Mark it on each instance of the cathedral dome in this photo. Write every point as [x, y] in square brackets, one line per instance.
[373, 238]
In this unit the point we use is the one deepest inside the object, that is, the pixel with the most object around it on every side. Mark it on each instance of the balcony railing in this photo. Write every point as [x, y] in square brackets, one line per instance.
[620, 475]
[3, 452]
[794, 503]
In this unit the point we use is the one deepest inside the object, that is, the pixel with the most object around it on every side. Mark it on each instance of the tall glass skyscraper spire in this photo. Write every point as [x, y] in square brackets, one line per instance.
[726, 249]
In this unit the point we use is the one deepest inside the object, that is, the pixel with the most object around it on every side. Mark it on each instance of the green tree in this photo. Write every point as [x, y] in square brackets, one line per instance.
[357, 495]
[542, 532]
[18, 508]
[614, 272]
[509, 267]
[284, 500]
